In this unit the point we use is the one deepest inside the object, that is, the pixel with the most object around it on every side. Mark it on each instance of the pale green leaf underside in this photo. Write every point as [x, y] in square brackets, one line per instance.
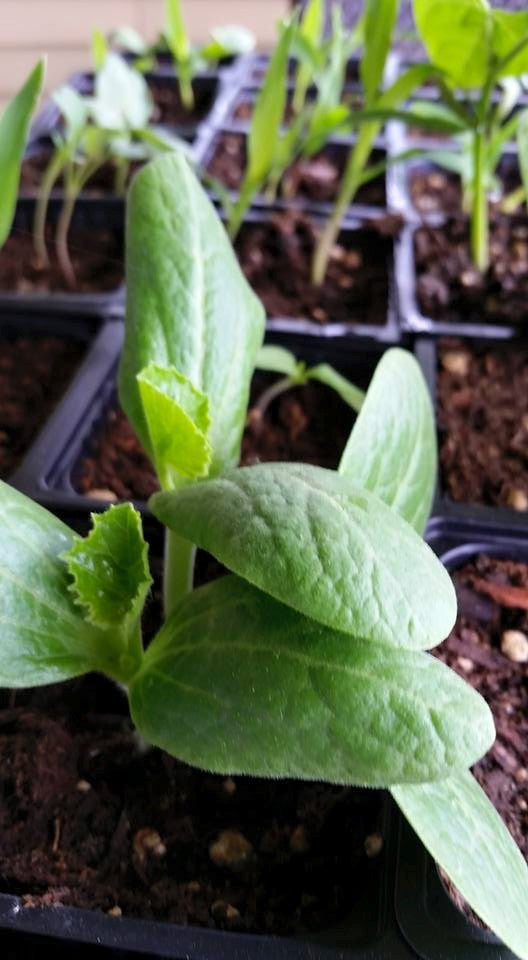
[43, 636]
[238, 683]
[392, 447]
[319, 543]
[178, 423]
[109, 567]
[466, 836]
[188, 304]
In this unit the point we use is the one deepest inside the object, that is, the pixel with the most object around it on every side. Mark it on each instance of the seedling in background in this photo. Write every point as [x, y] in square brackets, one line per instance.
[14, 126]
[224, 42]
[275, 143]
[308, 659]
[110, 127]
[476, 48]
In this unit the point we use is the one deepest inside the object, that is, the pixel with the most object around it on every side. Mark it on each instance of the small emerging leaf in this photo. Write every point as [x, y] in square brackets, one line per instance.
[326, 374]
[178, 422]
[392, 447]
[109, 567]
[464, 833]
[238, 683]
[318, 542]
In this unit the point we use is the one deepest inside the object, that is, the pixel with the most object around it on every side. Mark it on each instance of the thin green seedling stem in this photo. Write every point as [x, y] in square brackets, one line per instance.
[239, 208]
[178, 570]
[480, 216]
[260, 408]
[121, 176]
[350, 184]
[75, 181]
[186, 87]
[49, 179]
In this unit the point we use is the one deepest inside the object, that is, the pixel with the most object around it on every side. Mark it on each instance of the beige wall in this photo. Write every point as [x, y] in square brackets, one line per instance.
[62, 28]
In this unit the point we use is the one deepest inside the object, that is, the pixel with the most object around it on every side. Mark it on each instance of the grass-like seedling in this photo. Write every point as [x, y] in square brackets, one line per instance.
[14, 126]
[309, 659]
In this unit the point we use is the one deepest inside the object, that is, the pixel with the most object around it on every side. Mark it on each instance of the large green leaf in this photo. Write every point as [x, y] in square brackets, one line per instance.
[188, 304]
[237, 683]
[109, 568]
[510, 30]
[378, 25]
[466, 836]
[319, 543]
[178, 421]
[392, 447]
[43, 635]
[458, 37]
[14, 126]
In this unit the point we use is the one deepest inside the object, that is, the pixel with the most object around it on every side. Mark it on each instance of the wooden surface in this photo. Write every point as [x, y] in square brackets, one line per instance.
[62, 29]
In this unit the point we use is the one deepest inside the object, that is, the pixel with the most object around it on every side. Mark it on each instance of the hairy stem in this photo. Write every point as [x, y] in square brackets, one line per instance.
[41, 209]
[178, 570]
[479, 217]
[350, 183]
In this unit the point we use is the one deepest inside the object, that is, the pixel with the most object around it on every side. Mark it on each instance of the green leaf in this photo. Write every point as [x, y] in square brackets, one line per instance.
[392, 447]
[129, 39]
[43, 635]
[309, 34]
[99, 49]
[268, 113]
[122, 99]
[109, 567]
[188, 303]
[434, 116]
[74, 110]
[319, 543]
[404, 85]
[178, 422]
[465, 834]
[379, 20]
[229, 41]
[510, 31]
[326, 374]
[458, 38]
[175, 31]
[522, 147]
[237, 683]
[276, 360]
[14, 126]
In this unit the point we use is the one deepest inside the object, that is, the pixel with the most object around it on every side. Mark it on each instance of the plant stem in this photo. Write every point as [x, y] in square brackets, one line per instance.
[258, 411]
[352, 176]
[186, 87]
[178, 570]
[61, 238]
[121, 176]
[238, 210]
[41, 209]
[479, 218]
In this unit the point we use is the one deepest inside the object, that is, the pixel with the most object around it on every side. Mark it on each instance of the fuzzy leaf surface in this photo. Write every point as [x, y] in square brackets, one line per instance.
[238, 683]
[110, 568]
[319, 543]
[43, 635]
[188, 303]
[178, 422]
[464, 833]
[392, 448]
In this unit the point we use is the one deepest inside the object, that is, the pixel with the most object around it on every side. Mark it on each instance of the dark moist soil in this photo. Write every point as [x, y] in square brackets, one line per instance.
[308, 424]
[169, 109]
[101, 184]
[482, 416]
[316, 179]
[89, 819]
[451, 290]
[492, 599]
[437, 191]
[97, 258]
[33, 375]
[276, 257]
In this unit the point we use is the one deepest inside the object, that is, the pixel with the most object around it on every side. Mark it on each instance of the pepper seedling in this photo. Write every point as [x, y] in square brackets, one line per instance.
[112, 126]
[309, 659]
[476, 47]
[14, 127]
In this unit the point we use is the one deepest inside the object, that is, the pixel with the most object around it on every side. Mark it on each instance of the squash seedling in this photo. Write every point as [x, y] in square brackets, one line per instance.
[14, 127]
[112, 126]
[476, 47]
[309, 659]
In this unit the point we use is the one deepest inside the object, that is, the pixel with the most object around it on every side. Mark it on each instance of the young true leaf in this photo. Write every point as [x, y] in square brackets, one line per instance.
[326, 374]
[122, 100]
[178, 422]
[316, 541]
[109, 568]
[14, 126]
[458, 37]
[276, 360]
[510, 41]
[466, 836]
[379, 20]
[232, 659]
[188, 304]
[392, 447]
[43, 635]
